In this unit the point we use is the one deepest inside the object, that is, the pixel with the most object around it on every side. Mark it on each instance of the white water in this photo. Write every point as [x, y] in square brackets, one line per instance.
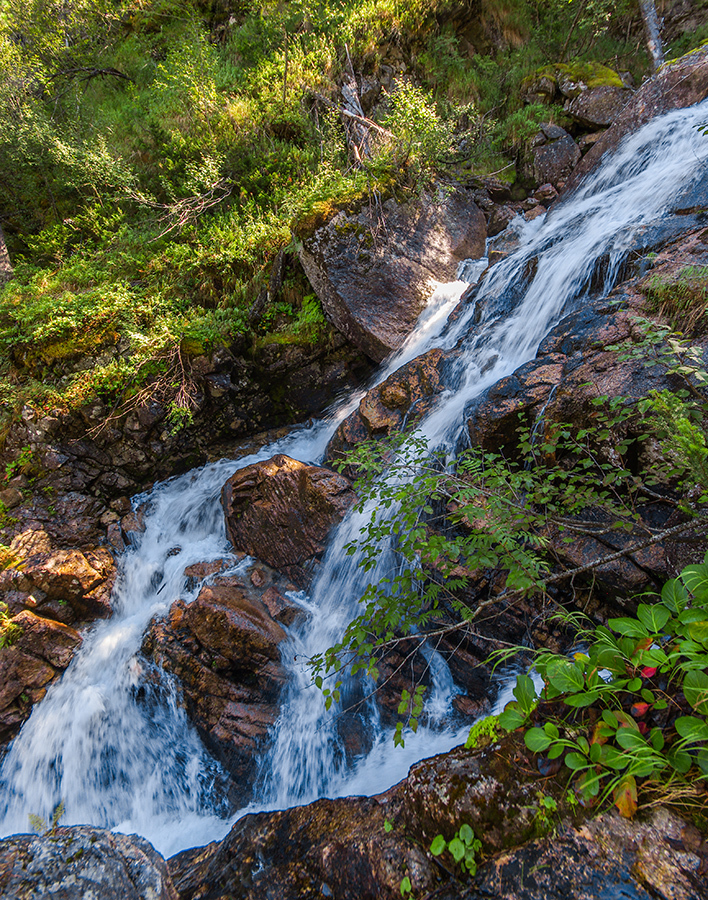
[132, 762]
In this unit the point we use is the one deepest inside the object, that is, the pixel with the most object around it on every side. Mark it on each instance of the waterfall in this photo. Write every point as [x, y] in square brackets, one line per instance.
[120, 754]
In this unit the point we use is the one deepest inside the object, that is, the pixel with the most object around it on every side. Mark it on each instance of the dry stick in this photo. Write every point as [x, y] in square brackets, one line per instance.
[350, 115]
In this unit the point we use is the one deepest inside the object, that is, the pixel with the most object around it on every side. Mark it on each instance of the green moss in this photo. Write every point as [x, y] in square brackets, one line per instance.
[483, 733]
[592, 74]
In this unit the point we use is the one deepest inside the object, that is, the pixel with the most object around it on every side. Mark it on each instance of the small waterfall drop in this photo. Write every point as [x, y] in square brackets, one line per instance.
[132, 762]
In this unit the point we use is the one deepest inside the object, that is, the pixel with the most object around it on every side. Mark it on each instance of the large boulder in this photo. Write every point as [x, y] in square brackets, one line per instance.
[374, 269]
[598, 107]
[70, 586]
[282, 510]
[224, 651]
[554, 154]
[81, 863]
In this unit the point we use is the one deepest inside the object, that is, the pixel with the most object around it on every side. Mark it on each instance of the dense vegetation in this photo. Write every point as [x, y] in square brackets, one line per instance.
[155, 156]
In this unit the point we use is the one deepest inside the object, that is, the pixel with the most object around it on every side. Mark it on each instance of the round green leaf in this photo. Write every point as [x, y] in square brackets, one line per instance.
[438, 845]
[466, 834]
[537, 740]
[691, 729]
[695, 689]
[575, 761]
[457, 849]
[696, 580]
[674, 595]
[565, 676]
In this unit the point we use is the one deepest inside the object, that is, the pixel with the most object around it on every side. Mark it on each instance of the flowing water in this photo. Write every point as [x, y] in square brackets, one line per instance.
[121, 754]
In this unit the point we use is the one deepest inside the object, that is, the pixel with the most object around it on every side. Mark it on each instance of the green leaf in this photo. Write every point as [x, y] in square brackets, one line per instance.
[581, 700]
[438, 846]
[537, 740]
[525, 692]
[698, 631]
[691, 729]
[696, 580]
[654, 618]
[565, 676]
[679, 760]
[656, 738]
[551, 730]
[630, 739]
[695, 690]
[629, 627]
[556, 751]
[406, 886]
[575, 761]
[674, 595]
[613, 758]
[457, 849]
[511, 719]
[466, 834]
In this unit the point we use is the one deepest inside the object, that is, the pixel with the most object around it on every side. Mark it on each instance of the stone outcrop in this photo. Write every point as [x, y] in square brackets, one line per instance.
[553, 156]
[66, 585]
[403, 398]
[224, 650]
[46, 591]
[40, 650]
[374, 269]
[344, 849]
[80, 863]
[281, 511]
[677, 85]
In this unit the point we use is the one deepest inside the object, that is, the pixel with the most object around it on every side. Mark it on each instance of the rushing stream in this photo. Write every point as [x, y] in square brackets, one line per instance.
[122, 755]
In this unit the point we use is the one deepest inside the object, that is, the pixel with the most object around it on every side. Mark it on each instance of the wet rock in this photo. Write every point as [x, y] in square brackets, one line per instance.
[331, 848]
[546, 194]
[405, 396]
[39, 652]
[23, 681]
[373, 270]
[281, 512]
[83, 862]
[494, 419]
[499, 219]
[606, 857]
[224, 651]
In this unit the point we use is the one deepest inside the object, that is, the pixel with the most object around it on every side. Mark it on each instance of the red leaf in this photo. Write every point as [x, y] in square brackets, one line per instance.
[648, 672]
[643, 727]
[639, 709]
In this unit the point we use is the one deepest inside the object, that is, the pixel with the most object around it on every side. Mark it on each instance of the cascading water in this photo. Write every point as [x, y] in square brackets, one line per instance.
[122, 755]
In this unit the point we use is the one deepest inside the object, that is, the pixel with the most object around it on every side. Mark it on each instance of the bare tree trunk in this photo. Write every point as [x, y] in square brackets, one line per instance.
[5, 263]
[652, 29]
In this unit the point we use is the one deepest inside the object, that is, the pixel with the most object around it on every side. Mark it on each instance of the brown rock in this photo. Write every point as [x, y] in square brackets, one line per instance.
[555, 156]
[223, 649]
[22, 681]
[281, 512]
[403, 397]
[46, 639]
[599, 106]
